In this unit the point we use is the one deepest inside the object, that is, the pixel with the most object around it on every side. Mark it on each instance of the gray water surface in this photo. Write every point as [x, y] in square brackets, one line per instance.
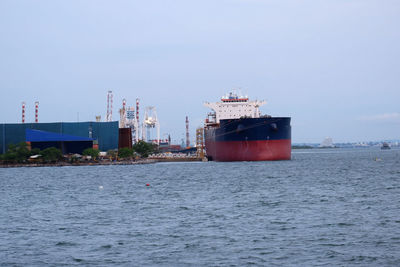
[338, 207]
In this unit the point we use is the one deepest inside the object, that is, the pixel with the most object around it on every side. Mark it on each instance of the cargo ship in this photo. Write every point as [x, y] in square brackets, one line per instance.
[236, 131]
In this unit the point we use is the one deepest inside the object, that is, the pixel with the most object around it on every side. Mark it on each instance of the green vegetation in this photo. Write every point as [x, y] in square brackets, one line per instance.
[144, 149]
[35, 151]
[112, 154]
[141, 148]
[16, 153]
[125, 152]
[93, 152]
[74, 159]
[51, 155]
[20, 153]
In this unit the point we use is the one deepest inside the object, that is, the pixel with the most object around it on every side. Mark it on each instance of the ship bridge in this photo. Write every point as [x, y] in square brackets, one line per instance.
[234, 106]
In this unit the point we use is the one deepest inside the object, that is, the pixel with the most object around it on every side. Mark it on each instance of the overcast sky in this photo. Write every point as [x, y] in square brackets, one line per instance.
[333, 66]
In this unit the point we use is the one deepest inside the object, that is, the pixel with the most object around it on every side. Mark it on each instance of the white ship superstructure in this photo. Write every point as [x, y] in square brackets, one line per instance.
[234, 107]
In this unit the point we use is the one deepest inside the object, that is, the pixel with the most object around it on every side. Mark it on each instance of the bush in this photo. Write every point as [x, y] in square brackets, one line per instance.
[51, 154]
[144, 149]
[93, 152]
[17, 153]
[73, 159]
[35, 151]
[125, 152]
[10, 157]
[22, 152]
[112, 154]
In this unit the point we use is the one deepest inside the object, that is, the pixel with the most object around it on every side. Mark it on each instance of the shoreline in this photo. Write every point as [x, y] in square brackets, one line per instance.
[99, 163]
[89, 163]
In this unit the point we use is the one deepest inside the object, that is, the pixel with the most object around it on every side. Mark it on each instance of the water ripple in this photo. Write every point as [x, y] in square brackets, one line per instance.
[327, 207]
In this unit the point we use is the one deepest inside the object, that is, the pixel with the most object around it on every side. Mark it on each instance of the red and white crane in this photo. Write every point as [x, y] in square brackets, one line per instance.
[23, 112]
[36, 111]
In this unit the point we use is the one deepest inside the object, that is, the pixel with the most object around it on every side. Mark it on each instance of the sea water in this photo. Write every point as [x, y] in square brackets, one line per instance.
[337, 207]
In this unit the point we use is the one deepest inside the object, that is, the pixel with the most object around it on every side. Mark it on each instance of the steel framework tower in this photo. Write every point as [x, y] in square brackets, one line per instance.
[131, 122]
[200, 142]
[122, 115]
[109, 106]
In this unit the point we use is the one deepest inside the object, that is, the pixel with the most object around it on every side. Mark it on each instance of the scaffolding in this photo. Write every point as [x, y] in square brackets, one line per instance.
[200, 142]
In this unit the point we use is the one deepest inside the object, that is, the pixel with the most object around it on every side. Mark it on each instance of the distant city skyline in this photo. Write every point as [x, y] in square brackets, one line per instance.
[333, 66]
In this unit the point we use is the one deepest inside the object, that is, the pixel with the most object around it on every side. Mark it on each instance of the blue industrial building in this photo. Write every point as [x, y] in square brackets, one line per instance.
[105, 134]
[68, 144]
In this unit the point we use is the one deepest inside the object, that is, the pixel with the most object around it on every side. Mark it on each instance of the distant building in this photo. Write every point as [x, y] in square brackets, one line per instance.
[327, 142]
[105, 134]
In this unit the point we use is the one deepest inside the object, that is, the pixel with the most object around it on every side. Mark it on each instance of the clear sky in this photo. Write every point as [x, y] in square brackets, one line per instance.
[333, 66]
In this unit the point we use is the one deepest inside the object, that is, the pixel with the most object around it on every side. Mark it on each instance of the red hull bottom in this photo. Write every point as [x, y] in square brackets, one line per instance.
[249, 150]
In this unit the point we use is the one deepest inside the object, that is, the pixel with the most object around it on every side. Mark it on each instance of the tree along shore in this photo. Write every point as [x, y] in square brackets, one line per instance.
[21, 156]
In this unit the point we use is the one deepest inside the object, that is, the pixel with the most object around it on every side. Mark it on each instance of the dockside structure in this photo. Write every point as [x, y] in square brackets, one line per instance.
[106, 133]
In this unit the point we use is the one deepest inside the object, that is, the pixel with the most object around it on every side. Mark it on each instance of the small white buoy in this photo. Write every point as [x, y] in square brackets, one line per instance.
[101, 187]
